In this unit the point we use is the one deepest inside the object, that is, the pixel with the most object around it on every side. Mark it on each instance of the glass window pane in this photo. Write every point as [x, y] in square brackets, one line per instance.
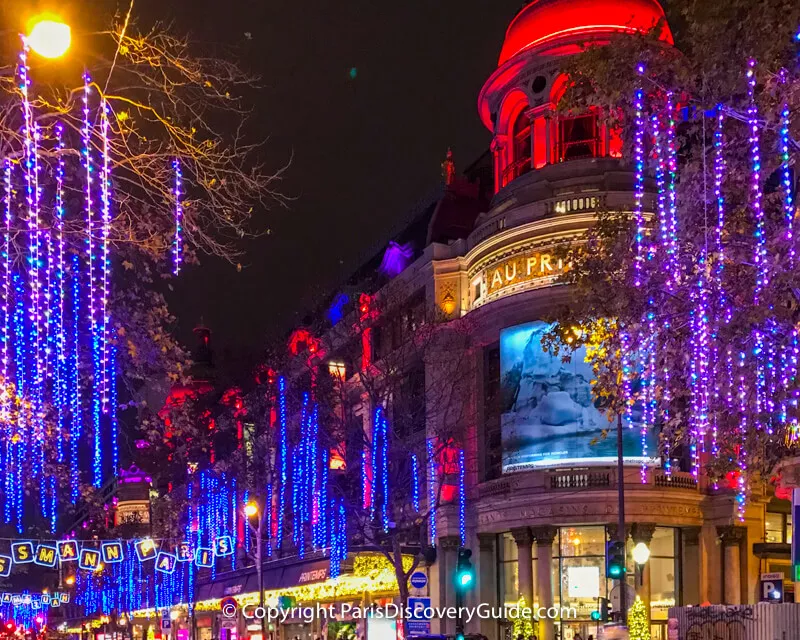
[508, 548]
[663, 542]
[774, 527]
[583, 541]
[582, 582]
[662, 586]
[509, 583]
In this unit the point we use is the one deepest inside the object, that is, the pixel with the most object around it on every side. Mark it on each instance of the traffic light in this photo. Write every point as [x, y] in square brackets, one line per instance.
[601, 615]
[615, 560]
[465, 572]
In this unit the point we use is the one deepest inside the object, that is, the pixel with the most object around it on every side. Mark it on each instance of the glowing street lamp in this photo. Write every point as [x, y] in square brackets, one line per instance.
[50, 38]
[641, 553]
[251, 509]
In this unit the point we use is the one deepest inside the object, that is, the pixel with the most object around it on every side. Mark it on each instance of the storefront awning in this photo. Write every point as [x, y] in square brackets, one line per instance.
[274, 578]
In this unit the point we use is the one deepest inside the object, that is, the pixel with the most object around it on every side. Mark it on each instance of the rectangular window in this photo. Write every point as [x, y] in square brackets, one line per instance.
[577, 137]
[663, 572]
[775, 527]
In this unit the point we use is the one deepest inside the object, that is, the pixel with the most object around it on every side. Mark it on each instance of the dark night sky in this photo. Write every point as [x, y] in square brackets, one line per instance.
[364, 149]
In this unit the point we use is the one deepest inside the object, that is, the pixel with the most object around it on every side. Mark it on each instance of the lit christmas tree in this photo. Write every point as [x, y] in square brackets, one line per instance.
[523, 626]
[638, 625]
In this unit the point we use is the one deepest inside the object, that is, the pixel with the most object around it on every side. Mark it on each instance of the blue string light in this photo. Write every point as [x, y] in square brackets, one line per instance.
[76, 418]
[462, 499]
[431, 493]
[283, 462]
[415, 482]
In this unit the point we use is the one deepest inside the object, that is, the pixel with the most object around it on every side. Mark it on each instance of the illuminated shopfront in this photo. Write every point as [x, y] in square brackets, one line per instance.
[578, 572]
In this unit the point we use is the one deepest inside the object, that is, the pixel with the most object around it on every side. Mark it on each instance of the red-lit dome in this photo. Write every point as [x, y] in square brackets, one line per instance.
[547, 21]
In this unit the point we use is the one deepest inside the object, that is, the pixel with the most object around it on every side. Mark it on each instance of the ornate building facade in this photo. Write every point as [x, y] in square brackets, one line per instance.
[541, 477]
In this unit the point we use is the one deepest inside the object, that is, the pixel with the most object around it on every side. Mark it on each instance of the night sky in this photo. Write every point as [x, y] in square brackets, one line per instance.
[365, 97]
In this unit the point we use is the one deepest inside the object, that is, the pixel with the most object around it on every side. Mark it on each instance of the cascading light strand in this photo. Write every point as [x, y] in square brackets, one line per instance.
[786, 179]
[462, 499]
[177, 244]
[61, 377]
[283, 461]
[432, 468]
[638, 160]
[105, 261]
[8, 219]
[415, 482]
[672, 196]
[76, 409]
[756, 195]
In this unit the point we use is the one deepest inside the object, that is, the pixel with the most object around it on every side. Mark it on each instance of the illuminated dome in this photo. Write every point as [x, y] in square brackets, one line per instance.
[550, 21]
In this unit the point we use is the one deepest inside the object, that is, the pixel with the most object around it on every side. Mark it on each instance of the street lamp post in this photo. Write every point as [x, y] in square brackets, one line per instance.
[49, 37]
[252, 510]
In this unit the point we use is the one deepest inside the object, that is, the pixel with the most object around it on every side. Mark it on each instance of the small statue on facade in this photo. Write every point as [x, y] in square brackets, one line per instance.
[449, 168]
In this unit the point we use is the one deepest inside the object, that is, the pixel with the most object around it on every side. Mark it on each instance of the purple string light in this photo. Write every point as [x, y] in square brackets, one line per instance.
[638, 150]
[61, 358]
[8, 219]
[788, 199]
[760, 255]
[177, 245]
[672, 197]
[741, 489]
[105, 262]
[462, 499]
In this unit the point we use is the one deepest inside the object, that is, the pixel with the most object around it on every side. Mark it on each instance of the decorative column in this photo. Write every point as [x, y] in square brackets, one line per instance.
[446, 561]
[643, 532]
[731, 538]
[487, 580]
[549, 137]
[544, 572]
[690, 569]
[524, 540]
[498, 153]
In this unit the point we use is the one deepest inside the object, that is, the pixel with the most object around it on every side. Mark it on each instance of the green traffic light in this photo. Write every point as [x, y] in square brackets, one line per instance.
[595, 615]
[459, 636]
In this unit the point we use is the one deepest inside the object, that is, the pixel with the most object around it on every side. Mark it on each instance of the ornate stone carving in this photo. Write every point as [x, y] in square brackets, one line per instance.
[486, 541]
[522, 536]
[545, 535]
[643, 532]
[730, 534]
[691, 535]
[449, 542]
[613, 531]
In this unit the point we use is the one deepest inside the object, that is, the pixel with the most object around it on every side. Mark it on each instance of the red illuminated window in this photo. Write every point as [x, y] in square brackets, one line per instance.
[578, 137]
[521, 149]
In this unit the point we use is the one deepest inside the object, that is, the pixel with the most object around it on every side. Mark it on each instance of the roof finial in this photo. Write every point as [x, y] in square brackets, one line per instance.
[449, 168]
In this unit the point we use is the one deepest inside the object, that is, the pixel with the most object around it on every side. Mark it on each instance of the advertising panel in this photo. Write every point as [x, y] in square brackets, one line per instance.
[550, 416]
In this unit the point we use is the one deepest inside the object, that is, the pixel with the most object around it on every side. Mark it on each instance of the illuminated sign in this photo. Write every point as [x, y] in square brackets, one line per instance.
[551, 417]
[526, 268]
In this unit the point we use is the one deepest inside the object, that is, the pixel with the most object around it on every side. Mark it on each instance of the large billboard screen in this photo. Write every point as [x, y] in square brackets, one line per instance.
[550, 416]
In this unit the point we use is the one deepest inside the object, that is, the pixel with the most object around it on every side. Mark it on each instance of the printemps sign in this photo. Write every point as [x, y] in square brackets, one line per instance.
[528, 267]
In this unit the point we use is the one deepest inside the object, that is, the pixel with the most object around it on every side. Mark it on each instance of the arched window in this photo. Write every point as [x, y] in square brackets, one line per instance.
[520, 161]
[578, 137]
